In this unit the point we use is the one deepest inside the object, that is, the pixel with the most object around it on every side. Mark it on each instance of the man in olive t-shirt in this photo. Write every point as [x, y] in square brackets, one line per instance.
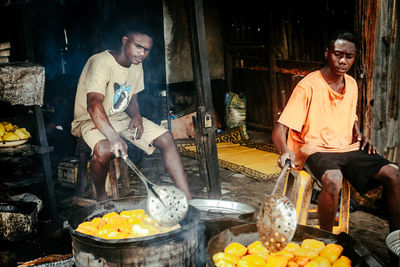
[106, 108]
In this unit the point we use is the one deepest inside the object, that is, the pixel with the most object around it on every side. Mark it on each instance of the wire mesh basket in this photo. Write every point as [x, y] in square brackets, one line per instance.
[393, 242]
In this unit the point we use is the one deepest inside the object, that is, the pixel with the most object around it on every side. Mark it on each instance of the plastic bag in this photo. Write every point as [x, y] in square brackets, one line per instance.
[235, 105]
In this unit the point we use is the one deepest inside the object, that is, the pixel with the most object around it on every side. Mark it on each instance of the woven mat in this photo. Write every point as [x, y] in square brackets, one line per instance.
[238, 154]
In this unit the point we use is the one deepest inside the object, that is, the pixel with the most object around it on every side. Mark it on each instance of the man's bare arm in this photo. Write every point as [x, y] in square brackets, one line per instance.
[100, 120]
[279, 139]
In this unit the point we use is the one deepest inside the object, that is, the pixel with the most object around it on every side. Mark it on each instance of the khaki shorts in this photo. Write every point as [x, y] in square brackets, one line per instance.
[120, 123]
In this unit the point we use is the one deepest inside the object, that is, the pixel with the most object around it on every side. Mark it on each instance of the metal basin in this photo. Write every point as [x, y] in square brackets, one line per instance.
[214, 209]
[247, 233]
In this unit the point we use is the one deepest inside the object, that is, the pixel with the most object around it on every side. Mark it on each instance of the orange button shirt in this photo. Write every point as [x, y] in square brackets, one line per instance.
[320, 119]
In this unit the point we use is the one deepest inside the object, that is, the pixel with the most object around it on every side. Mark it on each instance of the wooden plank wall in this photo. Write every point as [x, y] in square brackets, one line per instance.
[378, 74]
[289, 37]
[384, 124]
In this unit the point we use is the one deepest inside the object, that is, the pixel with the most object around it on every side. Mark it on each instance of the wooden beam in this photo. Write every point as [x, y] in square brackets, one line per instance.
[6, 45]
[368, 13]
[276, 110]
[205, 132]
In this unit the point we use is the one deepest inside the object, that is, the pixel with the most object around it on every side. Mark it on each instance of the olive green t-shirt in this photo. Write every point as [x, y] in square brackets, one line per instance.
[102, 74]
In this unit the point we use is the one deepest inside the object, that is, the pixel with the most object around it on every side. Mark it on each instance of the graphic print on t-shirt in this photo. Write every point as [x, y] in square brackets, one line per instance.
[121, 98]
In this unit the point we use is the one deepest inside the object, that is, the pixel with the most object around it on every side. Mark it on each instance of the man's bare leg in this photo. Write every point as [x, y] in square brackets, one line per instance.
[172, 161]
[328, 199]
[99, 167]
[388, 175]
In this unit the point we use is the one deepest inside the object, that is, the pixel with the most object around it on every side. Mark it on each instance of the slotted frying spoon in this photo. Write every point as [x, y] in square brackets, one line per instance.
[277, 220]
[166, 204]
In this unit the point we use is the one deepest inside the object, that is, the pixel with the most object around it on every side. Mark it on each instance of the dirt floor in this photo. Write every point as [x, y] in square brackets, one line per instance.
[368, 227]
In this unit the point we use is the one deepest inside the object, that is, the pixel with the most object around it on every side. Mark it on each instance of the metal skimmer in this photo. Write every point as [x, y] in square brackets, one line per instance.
[165, 203]
[277, 220]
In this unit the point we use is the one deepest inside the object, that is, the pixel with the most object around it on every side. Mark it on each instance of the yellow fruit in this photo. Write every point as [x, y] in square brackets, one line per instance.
[98, 222]
[224, 263]
[313, 244]
[301, 260]
[285, 253]
[245, 263]
[226, 257]
[343, 261]
[111, 217]
[311, 254]
[84, 231]
[255, 260]
[134, 220]
[144, 229]
[87, 228]
[331, 252]
[256, 248]
[292, 264]
[235, 248]
[2, 130]
[218, 256]
[276, 261]
[292, 247]
[312, 264]
[8, 136]
[8, 126]
[322, 261]
[132, 213]
[22, 133]
[114, 235]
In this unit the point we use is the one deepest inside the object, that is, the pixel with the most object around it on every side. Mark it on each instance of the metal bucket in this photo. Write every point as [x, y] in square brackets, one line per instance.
[393, 242]
[181, 247]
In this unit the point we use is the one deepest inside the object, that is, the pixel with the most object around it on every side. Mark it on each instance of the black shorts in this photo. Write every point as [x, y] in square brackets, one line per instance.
[358, 167]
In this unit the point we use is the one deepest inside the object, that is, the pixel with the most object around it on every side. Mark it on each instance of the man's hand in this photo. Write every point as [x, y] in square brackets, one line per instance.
[136, 127]
[118, 147]
[284, 157]
[136, 124]
[366, 143]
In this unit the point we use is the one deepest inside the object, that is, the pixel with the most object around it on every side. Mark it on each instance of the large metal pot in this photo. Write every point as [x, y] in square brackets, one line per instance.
[247, 233]
[181, 247]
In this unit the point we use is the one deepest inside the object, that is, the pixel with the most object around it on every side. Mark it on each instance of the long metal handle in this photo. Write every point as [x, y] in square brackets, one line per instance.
[138, 172]
[284, 170]
[147, 183]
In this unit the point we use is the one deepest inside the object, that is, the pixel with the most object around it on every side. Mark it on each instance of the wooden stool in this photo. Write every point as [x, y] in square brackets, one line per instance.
[302, 197]
[118, 169]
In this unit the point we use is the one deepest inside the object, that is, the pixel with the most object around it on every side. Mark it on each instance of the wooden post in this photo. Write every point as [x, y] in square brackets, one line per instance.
[205, 132]
[397, 49]
[45, 157]
[272, 69]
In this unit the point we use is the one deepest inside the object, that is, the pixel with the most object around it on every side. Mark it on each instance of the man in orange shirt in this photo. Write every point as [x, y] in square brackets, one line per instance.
[322, 123]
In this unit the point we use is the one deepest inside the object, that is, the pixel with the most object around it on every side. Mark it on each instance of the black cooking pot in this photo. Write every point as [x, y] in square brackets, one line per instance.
[247, 233]
[181, 247]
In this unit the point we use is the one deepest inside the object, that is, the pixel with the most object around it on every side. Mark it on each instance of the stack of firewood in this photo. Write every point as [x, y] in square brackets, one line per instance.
[4, 52]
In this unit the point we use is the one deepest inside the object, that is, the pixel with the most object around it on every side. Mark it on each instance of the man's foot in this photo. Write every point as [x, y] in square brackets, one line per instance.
[102, 198]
